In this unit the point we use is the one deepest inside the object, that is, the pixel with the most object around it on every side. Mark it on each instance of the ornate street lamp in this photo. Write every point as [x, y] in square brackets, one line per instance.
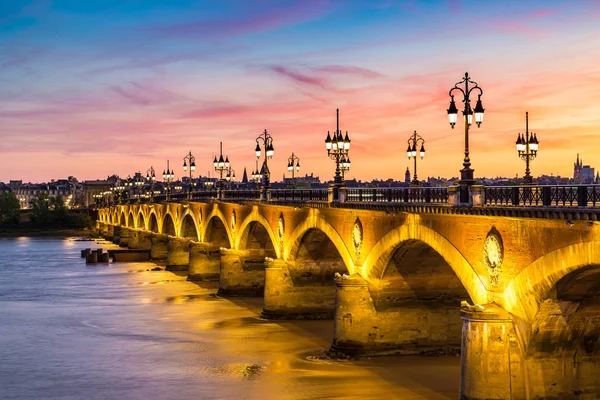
[168, 176]
[230, 177]
[192, 161]
[293, 164]
[221, 165]
[139, 181]
[337, 149]
[151, 177]
[256, 176]
[267, 143]
[411, 152]
[466, 174]
[527, 147]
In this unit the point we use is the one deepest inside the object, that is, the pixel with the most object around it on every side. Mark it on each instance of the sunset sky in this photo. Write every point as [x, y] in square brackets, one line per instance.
[99, 87]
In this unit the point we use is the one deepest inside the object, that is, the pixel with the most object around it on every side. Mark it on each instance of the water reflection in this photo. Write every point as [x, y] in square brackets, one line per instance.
[120, 331]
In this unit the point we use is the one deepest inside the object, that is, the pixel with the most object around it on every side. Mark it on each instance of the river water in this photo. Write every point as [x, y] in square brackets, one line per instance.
[120, 331]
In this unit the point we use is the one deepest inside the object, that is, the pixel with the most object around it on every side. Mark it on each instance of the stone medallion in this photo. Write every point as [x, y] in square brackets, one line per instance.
[493, 253]
[357, 237]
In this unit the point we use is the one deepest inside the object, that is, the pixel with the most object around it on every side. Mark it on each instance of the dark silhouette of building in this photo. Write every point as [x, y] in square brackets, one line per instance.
[407, 176]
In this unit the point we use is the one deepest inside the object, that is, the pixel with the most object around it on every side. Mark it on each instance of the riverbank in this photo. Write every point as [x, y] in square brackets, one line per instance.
[54, 233]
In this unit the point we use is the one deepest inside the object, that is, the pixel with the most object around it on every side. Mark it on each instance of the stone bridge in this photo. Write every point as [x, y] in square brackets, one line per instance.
[393, 281]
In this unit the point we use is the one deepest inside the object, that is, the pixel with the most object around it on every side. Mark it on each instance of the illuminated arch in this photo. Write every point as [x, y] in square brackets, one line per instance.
[153, 224]
[189, 218]
[168, 225]
[245, 226]
[130, 220]
[314, 222]
[380, 255]
[524, 293]
[216, 213]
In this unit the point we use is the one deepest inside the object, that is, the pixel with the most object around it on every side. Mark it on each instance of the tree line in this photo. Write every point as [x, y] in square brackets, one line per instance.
[44, 212]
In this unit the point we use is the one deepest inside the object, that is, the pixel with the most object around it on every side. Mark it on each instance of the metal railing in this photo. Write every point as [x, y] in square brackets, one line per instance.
[299, 194]
[398, 195]
[493, 196]
[543, 196]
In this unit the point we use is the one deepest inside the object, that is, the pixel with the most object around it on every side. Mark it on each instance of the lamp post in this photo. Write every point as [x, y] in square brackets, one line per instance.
[168, 176]
[527, 147]
[221, 165]
[256, 176]
[139, 181]
[293, 164]
[466, 174]
[151, 177]
[411, 152]
[230, 177]
[267, 143]
[337, 149]
[192, 161]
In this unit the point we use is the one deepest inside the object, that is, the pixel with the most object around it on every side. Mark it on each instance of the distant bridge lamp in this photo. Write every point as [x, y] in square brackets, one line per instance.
[256, 175]
[466, 174]
[168, 177]
[230, 177]
[337, 149]
[192, 161]
[293, 165]
[151, 177]
[139, 182]
[413, 142]
[527, 147]
[221, 165]
[267, 144]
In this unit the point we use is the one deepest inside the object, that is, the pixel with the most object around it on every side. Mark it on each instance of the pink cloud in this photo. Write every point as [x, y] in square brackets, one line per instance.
[145, 94]
[269, 20]
[342, 69]
[516, 28]
[300, 78]
[543, 13]
[454, 6]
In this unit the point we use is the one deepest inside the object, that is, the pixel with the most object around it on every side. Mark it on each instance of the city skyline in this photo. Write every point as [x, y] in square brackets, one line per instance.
[103, 88]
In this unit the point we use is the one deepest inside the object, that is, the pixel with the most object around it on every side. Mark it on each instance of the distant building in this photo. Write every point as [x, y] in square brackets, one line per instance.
[583, 173]
[407, 176]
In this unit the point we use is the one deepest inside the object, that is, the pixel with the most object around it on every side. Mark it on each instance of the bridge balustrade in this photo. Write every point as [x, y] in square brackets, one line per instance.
[398, 195]
[543, 196]
[299, 194]
[233, 194]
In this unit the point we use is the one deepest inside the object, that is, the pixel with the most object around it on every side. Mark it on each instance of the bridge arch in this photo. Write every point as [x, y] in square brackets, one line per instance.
[555, 306]
[123, 218]
[527, 290]
[130, 220]
[153, 225]
[255, 229]
[141, 220]
[313, 223]
[217, 231]
[189, 227]
[168, 225]
[378, 259]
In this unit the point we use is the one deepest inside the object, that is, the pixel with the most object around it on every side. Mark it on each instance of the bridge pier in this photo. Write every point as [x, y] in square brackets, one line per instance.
[364, 327]
[242, 274]
[491, 366]
[178, 254]
[158, 250]
[116, 237]
[204, 262]
[124, 237]
[133, 241]
[145, 240]
[285, 299]
[109, 233]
